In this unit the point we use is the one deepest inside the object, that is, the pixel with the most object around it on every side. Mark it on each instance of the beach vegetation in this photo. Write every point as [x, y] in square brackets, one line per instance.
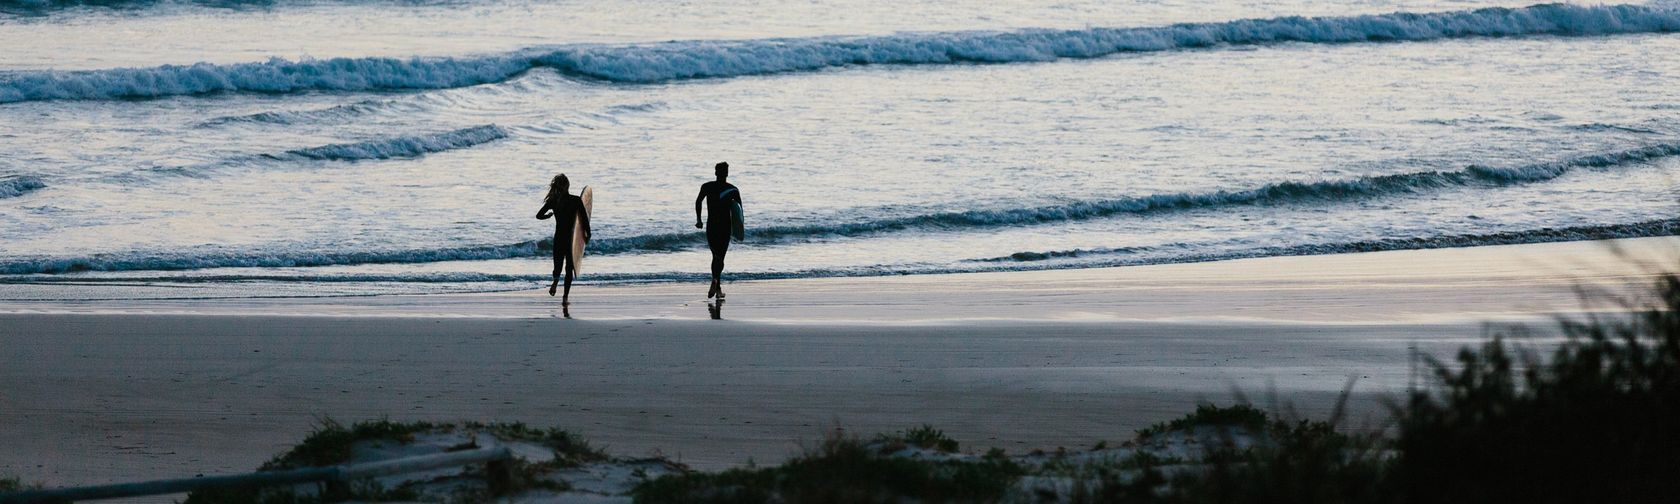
[570, 450]
[1594, 422]
[13, 484]
[333, 443]
[1240, 416]
[843, 469]
[330, 442]
[924, 436]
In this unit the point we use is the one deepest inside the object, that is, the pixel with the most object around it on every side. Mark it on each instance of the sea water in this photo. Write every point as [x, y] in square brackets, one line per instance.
[315, 148]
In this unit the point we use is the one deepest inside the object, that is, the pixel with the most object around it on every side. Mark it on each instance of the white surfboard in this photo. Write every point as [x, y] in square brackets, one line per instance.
[736, 228]
[588, 196]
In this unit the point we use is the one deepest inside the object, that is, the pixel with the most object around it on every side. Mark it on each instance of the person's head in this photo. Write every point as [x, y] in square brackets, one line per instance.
[722, 170]
[557, 187]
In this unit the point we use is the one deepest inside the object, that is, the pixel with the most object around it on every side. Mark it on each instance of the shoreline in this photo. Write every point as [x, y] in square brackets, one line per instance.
[105, 392]
[1423, 285]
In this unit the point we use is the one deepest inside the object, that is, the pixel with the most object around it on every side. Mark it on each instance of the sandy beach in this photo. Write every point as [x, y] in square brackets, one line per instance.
[98, 392]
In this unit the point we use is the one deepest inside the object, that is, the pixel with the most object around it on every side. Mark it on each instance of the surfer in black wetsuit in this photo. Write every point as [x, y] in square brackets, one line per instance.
[567, 211]
[719, 196]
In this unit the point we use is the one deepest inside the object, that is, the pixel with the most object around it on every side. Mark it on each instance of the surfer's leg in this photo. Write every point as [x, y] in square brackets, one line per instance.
[562, 259]
[720, 248]
[559, 265]
[571, 272]
[717, 268]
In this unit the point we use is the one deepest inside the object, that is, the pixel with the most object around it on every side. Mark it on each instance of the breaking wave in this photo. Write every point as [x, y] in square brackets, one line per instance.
[400, 147]
[1016, 262]
[12, 187]
[216, 258]
[1661, 227]
[329, 114]
[1272, 194]
[662, 62]
[38, 7]
[1285, 193]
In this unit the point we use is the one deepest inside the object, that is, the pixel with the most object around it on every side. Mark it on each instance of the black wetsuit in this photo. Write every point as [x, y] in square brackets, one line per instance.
[720, 218]
[567, 211]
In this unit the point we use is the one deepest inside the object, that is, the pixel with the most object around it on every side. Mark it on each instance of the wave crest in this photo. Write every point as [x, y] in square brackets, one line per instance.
[653, 63]
[216, 258]
[277, 75]
[401, 147]
[1272, 194]
[333, 113]
[1661, 227]
[12, 187]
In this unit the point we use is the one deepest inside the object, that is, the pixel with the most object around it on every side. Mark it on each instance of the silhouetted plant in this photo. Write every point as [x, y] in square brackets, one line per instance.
[1597, 422]
[842, 469]
[927, 437]
[16, 485]
[1241, 416]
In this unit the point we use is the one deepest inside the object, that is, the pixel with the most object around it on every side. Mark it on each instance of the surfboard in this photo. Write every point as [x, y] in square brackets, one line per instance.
[588, 196]
[735, 227]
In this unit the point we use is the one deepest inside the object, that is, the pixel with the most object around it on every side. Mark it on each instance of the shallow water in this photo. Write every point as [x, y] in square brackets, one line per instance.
[867, 137]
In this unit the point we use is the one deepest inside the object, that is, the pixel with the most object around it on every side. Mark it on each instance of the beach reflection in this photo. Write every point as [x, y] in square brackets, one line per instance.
[716, 309]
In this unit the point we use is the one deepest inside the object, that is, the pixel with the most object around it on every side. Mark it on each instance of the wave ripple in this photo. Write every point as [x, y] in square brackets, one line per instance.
[401, 147]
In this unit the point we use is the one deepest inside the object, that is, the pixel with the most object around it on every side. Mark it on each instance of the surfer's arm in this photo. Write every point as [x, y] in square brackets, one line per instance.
[544, 212]
[697, 201]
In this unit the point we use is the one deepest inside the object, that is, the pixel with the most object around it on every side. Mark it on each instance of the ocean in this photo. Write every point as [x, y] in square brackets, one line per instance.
[182, 149]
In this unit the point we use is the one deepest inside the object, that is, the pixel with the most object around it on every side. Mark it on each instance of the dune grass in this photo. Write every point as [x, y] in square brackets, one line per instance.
[332, 443]
[1598, 421]
[844, 469]
[1239, 416]
[13, 484]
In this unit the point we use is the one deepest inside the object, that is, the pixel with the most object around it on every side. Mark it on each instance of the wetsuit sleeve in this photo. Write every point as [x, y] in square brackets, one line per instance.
[546, 211]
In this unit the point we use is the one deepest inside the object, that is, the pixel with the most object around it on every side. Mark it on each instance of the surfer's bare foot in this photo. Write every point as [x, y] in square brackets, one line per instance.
[551, 289]
[720, 293]
[712, 291]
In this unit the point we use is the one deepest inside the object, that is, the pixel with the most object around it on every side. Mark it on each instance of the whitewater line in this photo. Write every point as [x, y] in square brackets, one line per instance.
[397, 147]
[1591, 232]
[670, 61]
[1277, 194]
[1023, 261]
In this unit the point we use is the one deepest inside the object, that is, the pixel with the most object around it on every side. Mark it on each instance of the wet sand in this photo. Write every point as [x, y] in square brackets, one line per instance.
[102, 392]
